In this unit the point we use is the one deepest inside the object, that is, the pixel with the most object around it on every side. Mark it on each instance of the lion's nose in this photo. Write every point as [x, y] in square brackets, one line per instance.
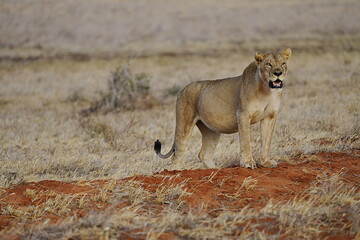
[277, 73]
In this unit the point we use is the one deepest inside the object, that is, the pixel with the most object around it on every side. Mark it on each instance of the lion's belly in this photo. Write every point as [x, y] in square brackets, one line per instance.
[222, 127]
[216, 106]
[220, 118]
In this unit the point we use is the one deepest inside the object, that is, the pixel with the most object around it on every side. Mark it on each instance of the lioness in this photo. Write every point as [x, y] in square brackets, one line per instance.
[230, 105]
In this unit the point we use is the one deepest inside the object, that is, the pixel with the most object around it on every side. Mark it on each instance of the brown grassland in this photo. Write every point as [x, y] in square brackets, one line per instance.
[69, 175]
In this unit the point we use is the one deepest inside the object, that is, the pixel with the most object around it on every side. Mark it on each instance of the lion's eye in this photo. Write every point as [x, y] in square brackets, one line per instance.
[283, 64]
[268, 64]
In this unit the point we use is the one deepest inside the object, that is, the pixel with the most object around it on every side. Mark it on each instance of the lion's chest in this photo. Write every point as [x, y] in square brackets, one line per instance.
[267, 107]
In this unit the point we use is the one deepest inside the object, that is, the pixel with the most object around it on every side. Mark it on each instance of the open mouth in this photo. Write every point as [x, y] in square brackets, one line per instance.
[276, 84]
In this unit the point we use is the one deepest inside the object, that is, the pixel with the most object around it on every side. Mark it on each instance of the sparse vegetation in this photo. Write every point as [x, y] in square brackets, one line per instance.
[4, 102]
[65, 175]
[173, 91]
[171, 194]
[329, 207]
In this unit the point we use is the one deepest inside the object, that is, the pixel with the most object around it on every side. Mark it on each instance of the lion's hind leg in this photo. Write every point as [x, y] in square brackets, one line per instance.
[210, 140]
[185, 122]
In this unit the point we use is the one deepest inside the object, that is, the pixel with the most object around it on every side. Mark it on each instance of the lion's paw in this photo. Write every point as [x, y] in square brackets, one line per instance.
[248, 164]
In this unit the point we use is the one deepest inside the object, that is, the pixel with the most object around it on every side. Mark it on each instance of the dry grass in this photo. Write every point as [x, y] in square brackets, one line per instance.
[249, 183]
[55, 204]
[43, 137]
[329, 208]
[171, 194]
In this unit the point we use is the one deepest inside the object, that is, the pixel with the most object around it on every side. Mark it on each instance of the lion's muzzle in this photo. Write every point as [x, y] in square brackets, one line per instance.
[276, 84]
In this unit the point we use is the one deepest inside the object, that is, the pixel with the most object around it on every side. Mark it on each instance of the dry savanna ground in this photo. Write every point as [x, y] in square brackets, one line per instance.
[45, 138]
[79, 116]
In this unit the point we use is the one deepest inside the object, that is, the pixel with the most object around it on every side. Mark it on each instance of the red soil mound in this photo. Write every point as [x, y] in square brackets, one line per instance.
[212, 189]
[215, 188]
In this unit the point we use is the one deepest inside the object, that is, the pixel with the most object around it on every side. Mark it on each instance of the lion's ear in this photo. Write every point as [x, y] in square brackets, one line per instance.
[286, 53]
[259, 57]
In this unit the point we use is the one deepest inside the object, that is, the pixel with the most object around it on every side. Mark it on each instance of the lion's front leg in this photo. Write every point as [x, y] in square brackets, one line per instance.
[267, 128]
[246, 160]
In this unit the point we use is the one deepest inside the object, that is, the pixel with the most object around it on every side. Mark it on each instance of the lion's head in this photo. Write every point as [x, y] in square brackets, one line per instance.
[273, 67]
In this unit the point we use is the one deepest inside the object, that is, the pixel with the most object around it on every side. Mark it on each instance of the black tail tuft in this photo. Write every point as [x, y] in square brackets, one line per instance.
[157, 146]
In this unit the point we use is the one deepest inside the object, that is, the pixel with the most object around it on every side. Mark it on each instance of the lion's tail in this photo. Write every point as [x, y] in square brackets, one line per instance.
[157, 148]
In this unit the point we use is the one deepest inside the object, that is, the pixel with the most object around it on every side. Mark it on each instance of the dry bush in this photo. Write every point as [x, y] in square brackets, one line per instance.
[125, 90]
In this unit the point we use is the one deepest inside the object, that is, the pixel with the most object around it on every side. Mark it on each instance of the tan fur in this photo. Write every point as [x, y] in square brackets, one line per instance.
[230, 105]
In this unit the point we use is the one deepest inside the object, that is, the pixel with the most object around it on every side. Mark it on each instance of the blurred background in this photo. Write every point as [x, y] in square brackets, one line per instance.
[111, 28]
